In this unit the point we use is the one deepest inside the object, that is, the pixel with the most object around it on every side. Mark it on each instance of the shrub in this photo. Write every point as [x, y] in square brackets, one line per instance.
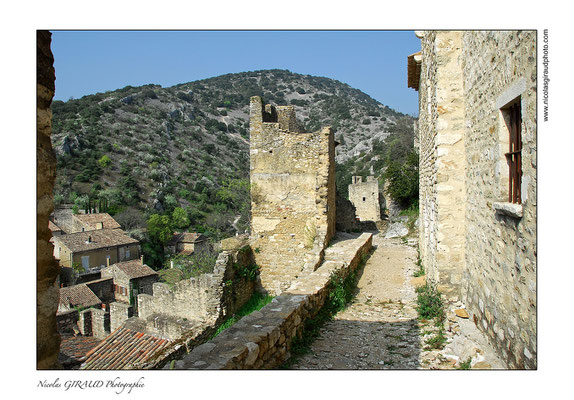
[104, 161]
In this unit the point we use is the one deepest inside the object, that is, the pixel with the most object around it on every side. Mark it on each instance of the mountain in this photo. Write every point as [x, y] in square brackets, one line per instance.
[149, 149]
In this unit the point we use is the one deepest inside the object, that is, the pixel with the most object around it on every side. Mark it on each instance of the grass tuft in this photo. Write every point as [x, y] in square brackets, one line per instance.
[255, 303]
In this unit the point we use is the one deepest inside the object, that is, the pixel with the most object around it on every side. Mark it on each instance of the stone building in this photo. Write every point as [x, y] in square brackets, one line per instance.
[130, 279]
[91, 222]
[477, 146]
[77, 296]
[292, 177]
[94, 249]
[186, 243]
[365, 198]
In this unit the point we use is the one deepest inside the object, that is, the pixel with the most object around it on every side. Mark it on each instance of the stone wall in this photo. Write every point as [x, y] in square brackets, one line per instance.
[499, 281]
[47, 292]
[67, 322]
[94, 322]
[474, 244]
[365, 198]
[198, 301]
[442, 160]
[262, 339]
[119, 313]
[292, 194]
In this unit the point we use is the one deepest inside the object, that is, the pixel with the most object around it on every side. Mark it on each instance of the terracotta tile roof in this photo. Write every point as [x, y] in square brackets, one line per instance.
[73, 349]
[78, 242]
[78, 295]
[124, 349]
[90, 221]
[53, 227]
[133, 269]
[186, 237]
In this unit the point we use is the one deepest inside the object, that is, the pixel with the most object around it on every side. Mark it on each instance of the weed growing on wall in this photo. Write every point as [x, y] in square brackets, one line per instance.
[248, 272]
[421, 270]
[255, 303]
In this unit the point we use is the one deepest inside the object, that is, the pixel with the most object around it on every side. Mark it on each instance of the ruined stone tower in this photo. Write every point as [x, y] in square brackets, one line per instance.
[292, 194]
[365, 198]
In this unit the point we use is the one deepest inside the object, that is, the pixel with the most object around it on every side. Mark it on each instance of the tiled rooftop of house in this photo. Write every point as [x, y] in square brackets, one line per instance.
[90, 221]
[73, 349]
[53, 227]
[186, 237]
[93, 240]
[134, 269]
[78, 296]
[124, 349]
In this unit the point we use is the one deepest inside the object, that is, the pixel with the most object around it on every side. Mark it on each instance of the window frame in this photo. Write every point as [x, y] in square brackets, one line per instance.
[509, 197]
[514, 155]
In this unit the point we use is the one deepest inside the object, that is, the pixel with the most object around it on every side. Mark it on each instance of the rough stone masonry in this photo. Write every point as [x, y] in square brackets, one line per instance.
[292, 177]
[474, 243]
[47, 292]
[365, 198]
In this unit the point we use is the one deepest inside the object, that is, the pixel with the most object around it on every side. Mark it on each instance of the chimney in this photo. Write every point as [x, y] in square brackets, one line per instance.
[107, 261]
[141, 259]
[171, 264]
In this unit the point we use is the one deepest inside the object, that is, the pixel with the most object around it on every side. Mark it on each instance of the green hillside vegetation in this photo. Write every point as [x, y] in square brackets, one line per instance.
[181, 153]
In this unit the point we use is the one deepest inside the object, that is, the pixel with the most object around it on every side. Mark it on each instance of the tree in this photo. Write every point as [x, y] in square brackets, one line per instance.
[159, 228]
[404, 180]
[179, 219]
[130, 218]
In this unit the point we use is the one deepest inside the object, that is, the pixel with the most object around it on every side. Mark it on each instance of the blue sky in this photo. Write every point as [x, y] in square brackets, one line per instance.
[375, 62]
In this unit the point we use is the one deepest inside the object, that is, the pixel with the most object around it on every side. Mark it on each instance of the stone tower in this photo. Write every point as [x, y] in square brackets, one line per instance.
[292, 177]
[365, 198]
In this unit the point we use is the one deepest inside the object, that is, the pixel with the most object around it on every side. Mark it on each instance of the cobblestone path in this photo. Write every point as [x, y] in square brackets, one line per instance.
[380, 329]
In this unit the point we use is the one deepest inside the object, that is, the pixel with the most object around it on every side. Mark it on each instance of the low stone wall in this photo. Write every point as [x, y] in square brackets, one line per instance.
[173, 310]
[262, 340]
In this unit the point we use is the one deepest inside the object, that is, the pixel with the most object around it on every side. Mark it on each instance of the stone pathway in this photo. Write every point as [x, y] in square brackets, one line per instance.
[380, 329]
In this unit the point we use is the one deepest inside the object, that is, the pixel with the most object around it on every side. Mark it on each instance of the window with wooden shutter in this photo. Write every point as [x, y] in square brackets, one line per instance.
[514, 154]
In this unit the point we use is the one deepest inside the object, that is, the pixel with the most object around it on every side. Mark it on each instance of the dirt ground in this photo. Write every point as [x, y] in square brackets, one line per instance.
[380, 330]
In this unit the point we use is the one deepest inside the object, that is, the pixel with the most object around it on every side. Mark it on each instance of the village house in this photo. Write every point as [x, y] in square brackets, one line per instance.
[130, 278]
[186, 243]
[77, 297]
[92, 222]
[477, 199]
[95, 249]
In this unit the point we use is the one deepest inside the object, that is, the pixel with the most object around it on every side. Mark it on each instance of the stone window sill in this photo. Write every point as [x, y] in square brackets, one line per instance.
[509, 209]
